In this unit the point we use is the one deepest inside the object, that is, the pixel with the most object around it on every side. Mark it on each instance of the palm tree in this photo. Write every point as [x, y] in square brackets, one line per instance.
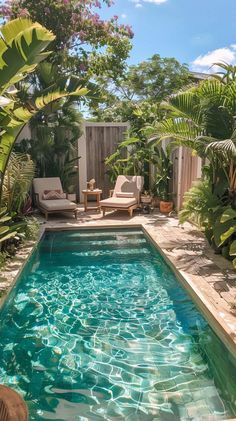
[203, 119]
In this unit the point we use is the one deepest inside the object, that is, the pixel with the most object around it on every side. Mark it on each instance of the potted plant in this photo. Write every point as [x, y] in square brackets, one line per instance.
[146, 197]
[162, 181]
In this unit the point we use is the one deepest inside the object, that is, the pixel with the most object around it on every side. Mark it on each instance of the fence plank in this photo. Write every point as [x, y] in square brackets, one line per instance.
[101, 141]
[186, 171]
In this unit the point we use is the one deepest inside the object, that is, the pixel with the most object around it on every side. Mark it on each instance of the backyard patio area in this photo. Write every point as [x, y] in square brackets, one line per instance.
[117, 221]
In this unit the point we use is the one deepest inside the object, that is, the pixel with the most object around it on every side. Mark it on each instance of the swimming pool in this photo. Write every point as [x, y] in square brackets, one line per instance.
[98, 328]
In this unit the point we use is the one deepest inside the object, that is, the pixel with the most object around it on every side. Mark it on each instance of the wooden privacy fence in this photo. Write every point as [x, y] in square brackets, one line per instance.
[186, 169]
[98, 141]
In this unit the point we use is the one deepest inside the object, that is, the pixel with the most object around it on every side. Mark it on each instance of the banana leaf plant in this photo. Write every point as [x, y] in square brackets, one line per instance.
[22, 45]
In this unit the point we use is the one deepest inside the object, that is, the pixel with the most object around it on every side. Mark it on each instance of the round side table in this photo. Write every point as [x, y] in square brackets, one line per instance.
[97, 193]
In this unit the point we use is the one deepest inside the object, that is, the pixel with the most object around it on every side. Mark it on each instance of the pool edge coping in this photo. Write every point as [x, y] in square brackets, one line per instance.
[22, 267]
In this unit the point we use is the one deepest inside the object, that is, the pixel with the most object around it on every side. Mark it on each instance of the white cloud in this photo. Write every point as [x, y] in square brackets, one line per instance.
[155, 1]
[139, 3]
[204, 63]
[124, 16]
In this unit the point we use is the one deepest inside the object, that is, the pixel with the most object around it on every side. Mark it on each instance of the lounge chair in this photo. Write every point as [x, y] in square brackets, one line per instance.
[126, 194]
[43, 187]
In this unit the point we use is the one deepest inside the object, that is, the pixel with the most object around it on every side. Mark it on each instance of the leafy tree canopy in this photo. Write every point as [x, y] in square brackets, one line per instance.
[84, 42]
[136, 95]
[156, 78]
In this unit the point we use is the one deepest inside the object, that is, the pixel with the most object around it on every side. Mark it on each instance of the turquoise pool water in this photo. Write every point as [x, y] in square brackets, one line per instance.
[98, 328]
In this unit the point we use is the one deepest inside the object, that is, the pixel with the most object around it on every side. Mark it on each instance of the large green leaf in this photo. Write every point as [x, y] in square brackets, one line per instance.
[223, 231]
[232, 250]
[227, 234]
[228, 214]
[21, 49]
[4, 219]
[8, 236]
[3, 230]
[17, 181]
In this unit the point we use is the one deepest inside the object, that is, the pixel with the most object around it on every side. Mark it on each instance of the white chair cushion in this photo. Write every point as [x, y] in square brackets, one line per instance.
[57, 205]
[118, 202]
[124, 194]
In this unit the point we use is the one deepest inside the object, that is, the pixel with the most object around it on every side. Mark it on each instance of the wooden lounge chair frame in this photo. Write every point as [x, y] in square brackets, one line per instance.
[121, 180]
[56, 183]
[46, 212]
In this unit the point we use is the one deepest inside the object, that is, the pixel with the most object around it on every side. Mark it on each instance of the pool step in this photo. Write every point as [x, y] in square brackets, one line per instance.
[88, 234]
[97, 245]
[107, 257]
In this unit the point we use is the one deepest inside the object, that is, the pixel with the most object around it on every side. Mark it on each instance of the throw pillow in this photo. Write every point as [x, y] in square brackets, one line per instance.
[53, 195]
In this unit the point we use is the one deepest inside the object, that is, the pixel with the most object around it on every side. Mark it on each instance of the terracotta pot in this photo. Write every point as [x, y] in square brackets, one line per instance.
[166, 207]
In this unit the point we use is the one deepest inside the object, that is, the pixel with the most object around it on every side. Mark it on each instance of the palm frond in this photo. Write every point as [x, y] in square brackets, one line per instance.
[225, 148]
[17, 181]
[185, 105]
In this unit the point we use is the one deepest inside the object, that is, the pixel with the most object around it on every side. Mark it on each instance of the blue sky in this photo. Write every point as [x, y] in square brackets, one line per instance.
[196, 32]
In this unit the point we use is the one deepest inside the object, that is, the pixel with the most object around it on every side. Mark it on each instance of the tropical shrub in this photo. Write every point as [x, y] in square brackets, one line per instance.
[203, 119]
[163, 168]
[17, 182]
[224, 231]
[199, 205]
[125, 160]
[31, 231]
[3, 260]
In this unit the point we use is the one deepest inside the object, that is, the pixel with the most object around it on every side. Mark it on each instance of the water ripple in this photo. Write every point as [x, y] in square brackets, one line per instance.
[99, 329]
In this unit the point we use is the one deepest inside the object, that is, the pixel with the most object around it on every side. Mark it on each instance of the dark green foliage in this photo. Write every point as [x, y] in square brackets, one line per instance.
[163, 167]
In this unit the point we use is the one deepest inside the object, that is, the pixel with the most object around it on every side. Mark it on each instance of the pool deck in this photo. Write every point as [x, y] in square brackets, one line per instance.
[209, 278]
